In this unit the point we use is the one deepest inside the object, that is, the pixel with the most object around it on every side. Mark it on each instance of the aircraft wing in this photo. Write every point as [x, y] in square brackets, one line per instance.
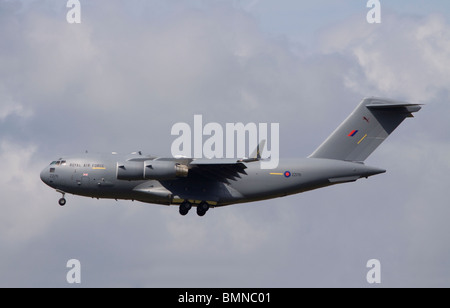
[215, 161]
[218, 169]
[221, 169]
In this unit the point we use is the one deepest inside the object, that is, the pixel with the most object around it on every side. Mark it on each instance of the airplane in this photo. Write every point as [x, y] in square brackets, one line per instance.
[207, 183]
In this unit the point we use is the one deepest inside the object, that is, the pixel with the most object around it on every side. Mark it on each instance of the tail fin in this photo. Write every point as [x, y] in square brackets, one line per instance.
[365, 129]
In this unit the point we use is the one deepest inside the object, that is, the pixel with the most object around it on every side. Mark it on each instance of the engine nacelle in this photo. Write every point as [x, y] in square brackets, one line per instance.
[164, 170]
[130, 170]
[150, 170]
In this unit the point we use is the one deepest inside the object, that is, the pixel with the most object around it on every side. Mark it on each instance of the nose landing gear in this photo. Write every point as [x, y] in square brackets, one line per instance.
[62, 201]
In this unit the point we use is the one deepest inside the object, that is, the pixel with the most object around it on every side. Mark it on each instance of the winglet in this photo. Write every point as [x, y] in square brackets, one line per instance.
[259, 148]
[256, 154]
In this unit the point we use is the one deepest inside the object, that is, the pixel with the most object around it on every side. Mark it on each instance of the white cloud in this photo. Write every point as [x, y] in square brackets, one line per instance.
[402, 57]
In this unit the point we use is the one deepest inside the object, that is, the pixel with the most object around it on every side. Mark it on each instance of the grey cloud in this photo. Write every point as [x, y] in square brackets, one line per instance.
[123, 77]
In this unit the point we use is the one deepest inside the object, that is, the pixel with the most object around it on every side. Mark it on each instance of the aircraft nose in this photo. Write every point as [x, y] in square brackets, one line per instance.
[44, 176]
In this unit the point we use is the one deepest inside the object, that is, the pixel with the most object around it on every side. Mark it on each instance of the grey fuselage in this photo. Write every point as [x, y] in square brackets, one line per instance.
[206, 183]
[99, 176]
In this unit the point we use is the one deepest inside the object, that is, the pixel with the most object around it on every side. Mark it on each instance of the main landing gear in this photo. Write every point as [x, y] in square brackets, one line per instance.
[202, 208]
[185, 206]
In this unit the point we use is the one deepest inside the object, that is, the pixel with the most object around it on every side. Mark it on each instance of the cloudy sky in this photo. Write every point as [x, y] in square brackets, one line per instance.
[119, 81]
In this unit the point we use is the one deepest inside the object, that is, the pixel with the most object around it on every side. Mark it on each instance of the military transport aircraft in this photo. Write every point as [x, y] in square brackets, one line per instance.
[206, 183]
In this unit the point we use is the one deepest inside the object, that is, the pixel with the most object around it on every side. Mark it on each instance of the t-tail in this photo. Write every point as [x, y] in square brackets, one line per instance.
[365, 129]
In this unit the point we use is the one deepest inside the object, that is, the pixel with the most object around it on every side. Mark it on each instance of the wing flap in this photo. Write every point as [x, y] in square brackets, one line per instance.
[214, 161]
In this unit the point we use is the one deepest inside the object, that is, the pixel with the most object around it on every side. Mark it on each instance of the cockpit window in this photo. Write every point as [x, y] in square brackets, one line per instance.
[58, 162]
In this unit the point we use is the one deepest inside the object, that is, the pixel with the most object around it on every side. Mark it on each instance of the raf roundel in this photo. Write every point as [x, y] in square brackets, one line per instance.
[287, 174]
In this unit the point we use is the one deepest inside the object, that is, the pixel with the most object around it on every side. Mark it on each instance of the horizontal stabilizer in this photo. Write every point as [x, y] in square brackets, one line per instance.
[344, 179]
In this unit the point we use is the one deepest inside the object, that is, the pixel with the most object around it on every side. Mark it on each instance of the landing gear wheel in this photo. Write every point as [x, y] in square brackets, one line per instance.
[185, 206]
[202, 208]
[61, 201]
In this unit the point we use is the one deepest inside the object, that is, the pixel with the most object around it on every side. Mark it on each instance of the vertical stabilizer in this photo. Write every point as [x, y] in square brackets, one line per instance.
[365, 129]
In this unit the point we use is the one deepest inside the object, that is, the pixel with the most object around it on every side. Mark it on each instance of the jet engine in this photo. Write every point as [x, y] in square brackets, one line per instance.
[151, 170]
